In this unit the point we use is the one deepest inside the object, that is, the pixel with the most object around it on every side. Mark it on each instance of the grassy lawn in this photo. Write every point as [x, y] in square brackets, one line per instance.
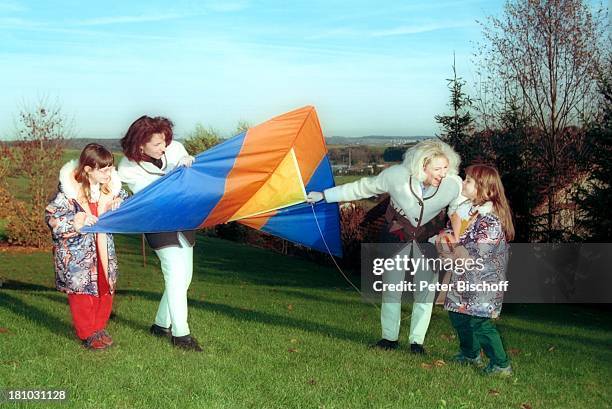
[342, 179]
[280, 332]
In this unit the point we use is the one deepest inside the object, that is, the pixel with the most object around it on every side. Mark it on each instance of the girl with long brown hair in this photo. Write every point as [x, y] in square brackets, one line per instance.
[476, 293]
[86, 263]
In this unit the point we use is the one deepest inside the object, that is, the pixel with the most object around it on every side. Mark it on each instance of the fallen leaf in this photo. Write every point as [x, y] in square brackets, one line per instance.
[525, 406]
[493, 392]
[552, 348]
[514, 351]
[425, 365]
[4, 330]
[448, 337]
[439, 363]
[293, 341]
[290, 307]
[292, 350]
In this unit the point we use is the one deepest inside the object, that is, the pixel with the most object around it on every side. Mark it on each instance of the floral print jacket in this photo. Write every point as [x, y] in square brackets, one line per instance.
[484, 240]
[75, 256]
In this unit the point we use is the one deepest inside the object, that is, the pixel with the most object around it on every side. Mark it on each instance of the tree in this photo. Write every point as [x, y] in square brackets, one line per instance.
[458, 127]
[41, 132]
[595, 199]
[201, 139]
[241, 126]
[543, 57]
[394, 153]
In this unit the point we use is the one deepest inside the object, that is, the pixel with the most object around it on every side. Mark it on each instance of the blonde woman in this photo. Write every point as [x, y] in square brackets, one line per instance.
[420, 189]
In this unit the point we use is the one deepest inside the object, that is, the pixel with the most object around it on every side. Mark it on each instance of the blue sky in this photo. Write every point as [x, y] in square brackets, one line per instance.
[368, 67]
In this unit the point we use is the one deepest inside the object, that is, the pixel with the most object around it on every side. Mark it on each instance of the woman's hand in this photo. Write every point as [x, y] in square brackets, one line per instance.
[186, 161]
[114, 204]
[83, 219]
[314, 197]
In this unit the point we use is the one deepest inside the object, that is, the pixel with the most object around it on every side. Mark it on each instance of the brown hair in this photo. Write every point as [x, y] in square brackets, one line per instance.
[95, 156]
[489, 187]
[140, 132]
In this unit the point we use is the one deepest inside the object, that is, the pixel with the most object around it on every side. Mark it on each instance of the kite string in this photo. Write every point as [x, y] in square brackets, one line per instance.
[312, 206]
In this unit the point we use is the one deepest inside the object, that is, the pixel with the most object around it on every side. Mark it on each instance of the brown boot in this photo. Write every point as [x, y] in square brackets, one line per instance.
[94, 343]
[105, 337]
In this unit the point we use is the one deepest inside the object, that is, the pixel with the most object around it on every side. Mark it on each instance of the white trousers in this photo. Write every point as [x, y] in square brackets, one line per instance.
[391, 309]
[177, 268]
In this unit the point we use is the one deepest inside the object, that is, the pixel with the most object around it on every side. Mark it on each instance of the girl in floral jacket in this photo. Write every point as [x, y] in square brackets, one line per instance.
[86, 263]
[484, 241]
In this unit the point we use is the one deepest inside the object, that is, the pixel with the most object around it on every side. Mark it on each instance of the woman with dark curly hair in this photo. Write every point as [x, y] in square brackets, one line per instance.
[150, 153]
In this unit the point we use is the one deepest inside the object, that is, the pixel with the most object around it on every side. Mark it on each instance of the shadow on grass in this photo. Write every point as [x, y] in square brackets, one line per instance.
[21, 286]
[572, 342]
[591, 315]
[246, 315]
[36, 315]
[312, 297]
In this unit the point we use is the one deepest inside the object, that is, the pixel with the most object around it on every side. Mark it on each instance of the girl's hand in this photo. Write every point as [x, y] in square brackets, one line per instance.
[186, 161]
[83, 219]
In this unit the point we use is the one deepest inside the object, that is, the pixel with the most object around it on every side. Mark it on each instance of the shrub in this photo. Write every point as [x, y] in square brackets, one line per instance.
[37, 157]
[201, 139]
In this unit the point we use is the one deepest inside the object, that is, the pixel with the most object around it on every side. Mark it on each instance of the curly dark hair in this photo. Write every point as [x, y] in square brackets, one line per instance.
[141, 131]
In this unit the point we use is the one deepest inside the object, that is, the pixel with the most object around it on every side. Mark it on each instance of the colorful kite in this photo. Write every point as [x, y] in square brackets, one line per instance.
[258, 178]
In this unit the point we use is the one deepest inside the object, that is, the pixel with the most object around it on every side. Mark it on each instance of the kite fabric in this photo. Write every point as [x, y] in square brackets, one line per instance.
[258, 178]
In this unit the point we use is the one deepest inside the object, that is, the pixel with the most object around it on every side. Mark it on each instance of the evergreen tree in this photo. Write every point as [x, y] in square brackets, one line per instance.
[459, 125]
[595, 199]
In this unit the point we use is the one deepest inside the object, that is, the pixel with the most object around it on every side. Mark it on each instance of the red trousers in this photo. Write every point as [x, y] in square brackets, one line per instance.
[90, 313]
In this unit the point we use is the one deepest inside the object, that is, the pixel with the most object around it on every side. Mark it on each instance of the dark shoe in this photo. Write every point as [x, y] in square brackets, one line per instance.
[494, 370]
[94, 343]
[464, 360]
[186, 342]
[105, 337]
[386, 344]
[417, 349]
[160, 331]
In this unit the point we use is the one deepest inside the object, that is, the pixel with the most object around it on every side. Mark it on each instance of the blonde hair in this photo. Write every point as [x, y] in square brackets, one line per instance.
[421, 154]
[489, 188]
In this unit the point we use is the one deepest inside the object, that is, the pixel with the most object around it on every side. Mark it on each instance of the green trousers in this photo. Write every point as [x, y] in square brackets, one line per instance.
[476, 333]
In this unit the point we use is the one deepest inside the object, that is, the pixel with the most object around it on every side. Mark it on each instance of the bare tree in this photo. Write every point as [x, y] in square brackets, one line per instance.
[41, 131]
[543, 57]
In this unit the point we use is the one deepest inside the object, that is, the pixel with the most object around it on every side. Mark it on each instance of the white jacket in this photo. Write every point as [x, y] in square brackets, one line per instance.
[395, 181]
[138, 175]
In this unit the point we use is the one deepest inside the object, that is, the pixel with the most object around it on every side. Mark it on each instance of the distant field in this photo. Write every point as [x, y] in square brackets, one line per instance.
[342, 179]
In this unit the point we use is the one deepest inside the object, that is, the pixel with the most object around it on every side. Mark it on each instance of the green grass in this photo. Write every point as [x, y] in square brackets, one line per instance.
[280, 332]
[340, 180]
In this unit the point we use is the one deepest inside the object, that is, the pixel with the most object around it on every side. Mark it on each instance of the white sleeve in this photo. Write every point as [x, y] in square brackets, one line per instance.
[180, 149]
[360, 189]
[130, 174]
[454, 205]
[174, 153]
